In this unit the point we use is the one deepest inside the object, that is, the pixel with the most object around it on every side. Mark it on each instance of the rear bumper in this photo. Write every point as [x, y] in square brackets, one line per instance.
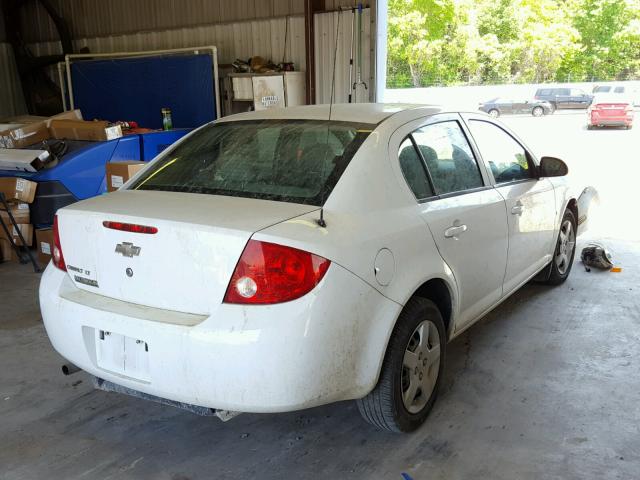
[324, 347]
[617, 120]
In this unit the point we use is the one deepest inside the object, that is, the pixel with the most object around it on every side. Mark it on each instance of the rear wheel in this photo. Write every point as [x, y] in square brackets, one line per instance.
[537, 111]
[411, 371]
[565, 250]
[494, 113]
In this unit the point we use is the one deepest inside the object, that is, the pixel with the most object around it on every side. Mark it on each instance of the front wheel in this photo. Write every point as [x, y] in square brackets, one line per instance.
[565, 250]
[537, 112]
[411, 371]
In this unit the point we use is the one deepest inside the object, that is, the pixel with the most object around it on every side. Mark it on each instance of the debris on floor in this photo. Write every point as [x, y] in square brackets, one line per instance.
[597, 256]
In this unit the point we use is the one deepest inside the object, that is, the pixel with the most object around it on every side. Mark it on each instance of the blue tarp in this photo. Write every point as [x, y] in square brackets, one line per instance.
[138, 88]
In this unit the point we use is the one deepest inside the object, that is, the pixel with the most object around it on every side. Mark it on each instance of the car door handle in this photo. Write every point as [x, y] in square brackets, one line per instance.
[453, 232]
[517, 209]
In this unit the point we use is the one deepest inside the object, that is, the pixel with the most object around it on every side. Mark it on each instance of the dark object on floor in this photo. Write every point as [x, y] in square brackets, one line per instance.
[596, 255]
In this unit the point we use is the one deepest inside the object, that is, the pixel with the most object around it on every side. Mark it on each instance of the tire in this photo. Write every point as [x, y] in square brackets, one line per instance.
[537, 111]
[494, 113]
[559, 271]
[590, 127]
[385, 407]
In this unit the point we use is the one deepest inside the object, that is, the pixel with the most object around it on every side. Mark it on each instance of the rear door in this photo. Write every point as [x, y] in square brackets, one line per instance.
[562, 97]
[579, 99]
[464, 214]
[520, 106]
[505, 106]
[530, 201]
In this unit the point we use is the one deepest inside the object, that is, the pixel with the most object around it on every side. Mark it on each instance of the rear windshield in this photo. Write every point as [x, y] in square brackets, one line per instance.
[298, 161]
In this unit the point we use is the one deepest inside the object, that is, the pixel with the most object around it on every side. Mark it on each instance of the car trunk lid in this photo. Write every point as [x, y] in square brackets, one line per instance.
[612, 109]
[185, 266]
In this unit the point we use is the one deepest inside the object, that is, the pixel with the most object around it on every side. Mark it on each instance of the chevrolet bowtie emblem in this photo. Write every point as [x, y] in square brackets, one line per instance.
[127, 249]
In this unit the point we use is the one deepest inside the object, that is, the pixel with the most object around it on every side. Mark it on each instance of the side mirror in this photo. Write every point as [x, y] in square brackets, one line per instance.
[552, 167]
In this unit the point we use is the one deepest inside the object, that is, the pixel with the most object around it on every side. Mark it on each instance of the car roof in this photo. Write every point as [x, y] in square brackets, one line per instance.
[372, 113]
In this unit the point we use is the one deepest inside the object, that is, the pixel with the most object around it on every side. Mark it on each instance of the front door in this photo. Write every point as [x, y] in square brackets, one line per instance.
[465, 215]
[530, 202]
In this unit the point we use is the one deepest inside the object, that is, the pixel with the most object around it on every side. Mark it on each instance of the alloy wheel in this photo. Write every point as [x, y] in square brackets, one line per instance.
[420, 366]
[566, 244]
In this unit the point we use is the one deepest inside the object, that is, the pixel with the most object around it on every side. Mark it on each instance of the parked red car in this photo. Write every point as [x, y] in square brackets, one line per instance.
[610, 111]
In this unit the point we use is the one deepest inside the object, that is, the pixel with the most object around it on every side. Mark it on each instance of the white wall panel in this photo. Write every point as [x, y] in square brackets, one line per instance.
[325, 28]
[11, 97]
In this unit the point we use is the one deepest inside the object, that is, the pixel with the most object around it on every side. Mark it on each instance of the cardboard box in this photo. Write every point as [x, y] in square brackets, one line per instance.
[83, 130]
[27, 232]
[44, 243]
[18, 189]
[68, 115]
[20, 212]
[26, 130]
[24, 136]
[119, 172]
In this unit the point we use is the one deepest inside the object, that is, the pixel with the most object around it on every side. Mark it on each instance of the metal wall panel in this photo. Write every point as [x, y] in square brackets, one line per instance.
[326, 25]
[233, 40]
[11, 97]
[98, 18]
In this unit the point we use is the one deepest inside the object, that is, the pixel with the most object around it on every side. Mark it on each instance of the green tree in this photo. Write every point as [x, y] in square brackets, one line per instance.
[453, 41]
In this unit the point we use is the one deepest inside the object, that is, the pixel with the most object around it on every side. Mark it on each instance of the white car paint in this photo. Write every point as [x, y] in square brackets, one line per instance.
[325, 346]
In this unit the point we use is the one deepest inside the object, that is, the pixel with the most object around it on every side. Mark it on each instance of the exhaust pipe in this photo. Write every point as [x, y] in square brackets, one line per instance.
[69, 369]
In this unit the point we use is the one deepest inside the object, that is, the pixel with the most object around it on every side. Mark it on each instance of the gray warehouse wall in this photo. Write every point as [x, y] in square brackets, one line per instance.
[98, 18]
[11, 98]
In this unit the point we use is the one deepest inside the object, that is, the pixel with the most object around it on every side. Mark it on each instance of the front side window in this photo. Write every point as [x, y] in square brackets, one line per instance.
[298, 161]
[507, 159]
[448, 157]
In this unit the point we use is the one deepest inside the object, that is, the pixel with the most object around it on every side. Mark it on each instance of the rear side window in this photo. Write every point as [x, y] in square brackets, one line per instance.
[545, 92]
[619, 90]
[507, 159]
[448, 157]
[414, 171]
[298, 161]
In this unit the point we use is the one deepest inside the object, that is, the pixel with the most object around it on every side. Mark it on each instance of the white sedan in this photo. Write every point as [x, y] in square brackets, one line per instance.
[274, 261]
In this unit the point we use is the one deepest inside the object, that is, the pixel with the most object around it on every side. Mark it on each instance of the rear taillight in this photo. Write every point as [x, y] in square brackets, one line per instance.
[57, 256]
[268, 273]
[130, 227]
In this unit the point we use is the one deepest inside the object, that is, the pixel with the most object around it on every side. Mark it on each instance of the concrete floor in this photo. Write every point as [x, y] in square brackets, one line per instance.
[545, 387]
